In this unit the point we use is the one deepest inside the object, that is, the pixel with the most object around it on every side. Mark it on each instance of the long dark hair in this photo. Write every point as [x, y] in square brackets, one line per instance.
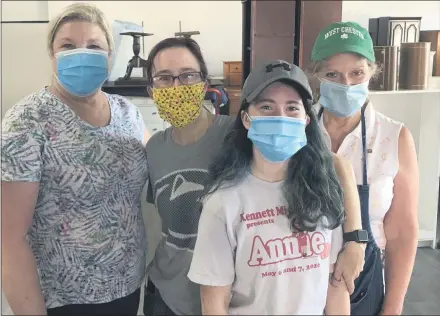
[311, 188]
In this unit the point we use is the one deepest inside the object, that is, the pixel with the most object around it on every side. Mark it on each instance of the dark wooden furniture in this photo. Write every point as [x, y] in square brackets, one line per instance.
[234, 100]
[232, 73]
[314, 16]
[285, 30]
[434, 38]
[232, 78]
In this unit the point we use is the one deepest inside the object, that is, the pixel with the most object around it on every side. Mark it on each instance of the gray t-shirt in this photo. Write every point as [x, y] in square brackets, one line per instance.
[177, 178]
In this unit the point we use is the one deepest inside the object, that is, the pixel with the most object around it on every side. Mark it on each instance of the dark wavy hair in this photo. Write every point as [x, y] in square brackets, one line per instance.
[311, 187]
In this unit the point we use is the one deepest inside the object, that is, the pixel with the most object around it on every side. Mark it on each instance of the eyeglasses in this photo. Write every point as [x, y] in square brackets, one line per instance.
[187, 78]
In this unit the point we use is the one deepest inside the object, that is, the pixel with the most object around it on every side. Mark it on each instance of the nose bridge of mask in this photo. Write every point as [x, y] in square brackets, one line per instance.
[344, 88]
[278, 125]
[84, 58]
[343, 100]
[78, 51]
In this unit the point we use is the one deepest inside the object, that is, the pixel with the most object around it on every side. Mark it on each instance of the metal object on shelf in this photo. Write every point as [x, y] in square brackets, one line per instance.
[187, 34]
[414, 66]
[135, 61]
[387, 61]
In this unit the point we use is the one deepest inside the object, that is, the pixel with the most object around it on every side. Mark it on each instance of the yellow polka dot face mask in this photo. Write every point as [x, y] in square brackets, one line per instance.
[181, 105]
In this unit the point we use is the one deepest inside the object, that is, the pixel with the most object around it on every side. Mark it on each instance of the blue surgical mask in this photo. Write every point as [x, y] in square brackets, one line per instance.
[82, 71]
[342, 100]
[277, 138]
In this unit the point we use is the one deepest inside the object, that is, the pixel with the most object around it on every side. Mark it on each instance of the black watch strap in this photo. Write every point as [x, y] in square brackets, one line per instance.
[359, 236]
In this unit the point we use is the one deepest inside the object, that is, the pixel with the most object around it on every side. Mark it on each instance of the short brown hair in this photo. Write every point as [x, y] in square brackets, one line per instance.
[173, 42]
[79, 12]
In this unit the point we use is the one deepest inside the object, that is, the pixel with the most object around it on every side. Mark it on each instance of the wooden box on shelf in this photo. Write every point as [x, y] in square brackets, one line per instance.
[392, 31]
[232, 73]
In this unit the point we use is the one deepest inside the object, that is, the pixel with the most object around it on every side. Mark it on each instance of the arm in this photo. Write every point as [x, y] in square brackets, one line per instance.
[351, 261]
[20, 280]
[401, 227]
[338, 298]
[215, 299]
[21, 146]
[345, 173]
[212, 265]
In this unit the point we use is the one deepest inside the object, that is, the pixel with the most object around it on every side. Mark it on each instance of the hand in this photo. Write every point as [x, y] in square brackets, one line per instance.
[349, 265]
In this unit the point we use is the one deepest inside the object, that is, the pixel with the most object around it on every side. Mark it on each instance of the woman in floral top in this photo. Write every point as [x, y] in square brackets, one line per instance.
[73, 168]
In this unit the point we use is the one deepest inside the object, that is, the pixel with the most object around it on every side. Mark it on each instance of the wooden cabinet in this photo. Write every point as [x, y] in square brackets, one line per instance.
[272, 31]
[232, 73]
[233, 78]
[392, 31]
[314, 16]
[234, 100]
[285, 30]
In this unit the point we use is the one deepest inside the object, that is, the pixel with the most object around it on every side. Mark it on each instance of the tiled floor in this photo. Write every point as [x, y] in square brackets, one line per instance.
[423, 297]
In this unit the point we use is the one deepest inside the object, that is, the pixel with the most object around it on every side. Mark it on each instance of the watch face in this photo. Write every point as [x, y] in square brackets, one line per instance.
[363, 235]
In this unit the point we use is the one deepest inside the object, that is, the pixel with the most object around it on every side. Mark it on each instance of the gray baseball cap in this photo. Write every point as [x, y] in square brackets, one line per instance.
[276, 70]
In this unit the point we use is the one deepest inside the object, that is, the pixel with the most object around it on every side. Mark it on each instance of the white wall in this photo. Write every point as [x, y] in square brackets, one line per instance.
[420, 112]
[24, 11]
[361, 11]
[219, 24]
[26, 65]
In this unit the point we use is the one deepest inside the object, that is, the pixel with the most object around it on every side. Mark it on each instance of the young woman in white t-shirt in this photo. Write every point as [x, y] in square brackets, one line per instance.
[270, 229]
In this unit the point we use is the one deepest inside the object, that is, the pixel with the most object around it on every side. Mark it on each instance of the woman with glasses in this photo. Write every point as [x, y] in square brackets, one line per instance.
[178, 159]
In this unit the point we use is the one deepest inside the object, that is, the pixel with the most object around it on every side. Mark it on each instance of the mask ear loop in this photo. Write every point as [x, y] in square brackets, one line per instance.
[248, 117]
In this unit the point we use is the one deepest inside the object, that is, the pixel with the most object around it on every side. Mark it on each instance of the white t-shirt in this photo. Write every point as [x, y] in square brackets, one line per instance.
[244, 239]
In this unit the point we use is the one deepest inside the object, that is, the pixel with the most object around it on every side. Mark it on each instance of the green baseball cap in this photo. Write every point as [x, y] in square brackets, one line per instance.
[343, 37]
[276, 70]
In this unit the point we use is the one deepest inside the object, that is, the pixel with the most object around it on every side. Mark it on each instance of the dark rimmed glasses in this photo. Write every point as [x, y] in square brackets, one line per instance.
[187, 78]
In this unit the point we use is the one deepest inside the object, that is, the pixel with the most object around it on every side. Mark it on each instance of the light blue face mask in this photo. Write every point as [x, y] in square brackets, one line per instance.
[82, 71]
[277, 138]
[342, 100]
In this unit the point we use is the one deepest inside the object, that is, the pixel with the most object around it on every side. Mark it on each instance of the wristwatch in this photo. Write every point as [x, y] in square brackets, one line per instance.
[359, 236]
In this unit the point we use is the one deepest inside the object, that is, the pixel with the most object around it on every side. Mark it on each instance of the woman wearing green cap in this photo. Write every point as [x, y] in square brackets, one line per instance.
[383, 155]
[270, 228]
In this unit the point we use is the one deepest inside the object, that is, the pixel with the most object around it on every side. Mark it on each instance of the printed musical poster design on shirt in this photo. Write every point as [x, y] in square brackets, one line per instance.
[178, 195]
[294, 247]
[262, 217]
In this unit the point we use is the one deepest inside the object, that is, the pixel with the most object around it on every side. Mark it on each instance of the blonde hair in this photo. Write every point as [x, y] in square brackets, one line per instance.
[79, 12]
[317, 66]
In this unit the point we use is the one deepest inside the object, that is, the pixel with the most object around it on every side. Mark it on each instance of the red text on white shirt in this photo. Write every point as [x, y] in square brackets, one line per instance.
[294, 246]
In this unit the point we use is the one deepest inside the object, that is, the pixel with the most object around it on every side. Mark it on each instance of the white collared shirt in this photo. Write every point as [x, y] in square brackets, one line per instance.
[382, 163]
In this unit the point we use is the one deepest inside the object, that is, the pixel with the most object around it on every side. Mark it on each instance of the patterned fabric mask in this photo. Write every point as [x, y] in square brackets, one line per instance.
[181, 105]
